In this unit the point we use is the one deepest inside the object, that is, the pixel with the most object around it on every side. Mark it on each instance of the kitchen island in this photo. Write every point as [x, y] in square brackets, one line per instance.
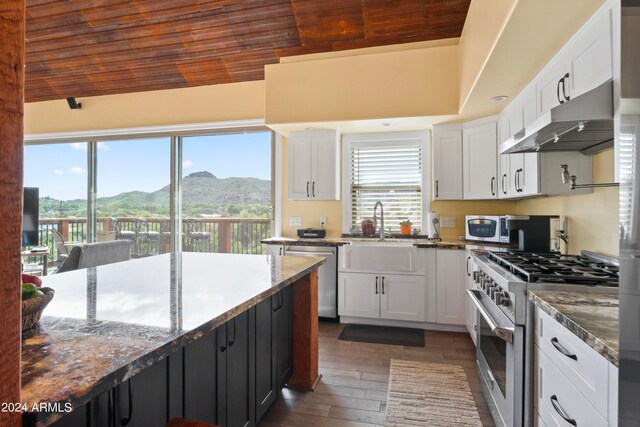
[211, 337]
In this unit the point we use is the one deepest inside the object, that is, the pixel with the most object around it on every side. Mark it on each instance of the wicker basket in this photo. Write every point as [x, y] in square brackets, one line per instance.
[33, 307]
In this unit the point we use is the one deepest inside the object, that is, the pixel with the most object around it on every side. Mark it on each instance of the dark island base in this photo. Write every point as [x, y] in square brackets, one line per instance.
[229, 377]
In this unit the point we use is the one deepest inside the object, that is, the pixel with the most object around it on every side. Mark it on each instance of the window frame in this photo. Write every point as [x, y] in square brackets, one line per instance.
[382, 138]
[175, 133]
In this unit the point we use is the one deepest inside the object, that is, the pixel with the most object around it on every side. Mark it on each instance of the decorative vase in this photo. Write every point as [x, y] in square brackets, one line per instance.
[405, 229]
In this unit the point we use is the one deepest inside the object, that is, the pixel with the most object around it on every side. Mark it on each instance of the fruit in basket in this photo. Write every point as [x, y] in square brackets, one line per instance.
[29, 290]
[30, 278]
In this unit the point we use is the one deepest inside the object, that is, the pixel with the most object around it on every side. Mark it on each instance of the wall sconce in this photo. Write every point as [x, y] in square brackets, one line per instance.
[73, 104]
[567, 178]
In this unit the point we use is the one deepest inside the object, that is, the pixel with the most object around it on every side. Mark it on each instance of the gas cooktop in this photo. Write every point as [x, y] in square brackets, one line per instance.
[557, 268]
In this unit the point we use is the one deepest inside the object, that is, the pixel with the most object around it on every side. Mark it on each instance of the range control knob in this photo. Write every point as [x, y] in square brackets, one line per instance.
[492, 290]
[498, 296]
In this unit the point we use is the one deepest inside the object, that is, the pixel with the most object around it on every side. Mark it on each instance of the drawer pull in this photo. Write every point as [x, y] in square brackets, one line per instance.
[560, 411]
[562, 350]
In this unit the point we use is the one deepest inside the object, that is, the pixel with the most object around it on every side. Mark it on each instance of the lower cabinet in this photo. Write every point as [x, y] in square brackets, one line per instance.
[382, 296]
[236, 371]
[451, 286]
[230, 376]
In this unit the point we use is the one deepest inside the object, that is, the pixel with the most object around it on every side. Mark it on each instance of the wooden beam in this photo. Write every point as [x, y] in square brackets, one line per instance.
[12, 34]
[305, 333]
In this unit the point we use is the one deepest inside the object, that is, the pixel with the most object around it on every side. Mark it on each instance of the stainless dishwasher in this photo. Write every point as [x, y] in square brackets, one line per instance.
[327, 277]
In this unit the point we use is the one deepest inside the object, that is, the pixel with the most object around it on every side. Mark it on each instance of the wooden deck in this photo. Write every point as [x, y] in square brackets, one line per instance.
[355, 376]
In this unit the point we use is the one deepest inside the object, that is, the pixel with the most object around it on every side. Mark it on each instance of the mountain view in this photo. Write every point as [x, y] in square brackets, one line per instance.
[202, 194]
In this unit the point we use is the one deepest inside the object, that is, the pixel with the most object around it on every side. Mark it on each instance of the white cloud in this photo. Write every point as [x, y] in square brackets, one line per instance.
[58, 172]
[103, 146]
[187, 164]
[75, 170]
[80, 146]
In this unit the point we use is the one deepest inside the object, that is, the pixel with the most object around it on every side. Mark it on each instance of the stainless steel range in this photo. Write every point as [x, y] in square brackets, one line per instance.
[505, 318]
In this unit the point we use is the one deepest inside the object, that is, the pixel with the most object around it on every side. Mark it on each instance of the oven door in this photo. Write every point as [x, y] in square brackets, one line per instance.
[482, 228]
[500, 359]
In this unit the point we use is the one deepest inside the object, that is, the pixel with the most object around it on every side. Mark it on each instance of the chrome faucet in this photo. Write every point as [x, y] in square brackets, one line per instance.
[375, 208]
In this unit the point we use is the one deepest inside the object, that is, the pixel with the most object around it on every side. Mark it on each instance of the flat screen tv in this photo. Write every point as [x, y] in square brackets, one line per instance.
[31, 216]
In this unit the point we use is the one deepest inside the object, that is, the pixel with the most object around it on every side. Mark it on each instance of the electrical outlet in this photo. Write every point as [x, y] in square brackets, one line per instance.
[295, 221]
[323, 222]
[448, 221]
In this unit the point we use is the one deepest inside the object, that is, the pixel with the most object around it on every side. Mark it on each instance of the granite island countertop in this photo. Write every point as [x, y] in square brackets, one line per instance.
[592, 317]
[107, 323]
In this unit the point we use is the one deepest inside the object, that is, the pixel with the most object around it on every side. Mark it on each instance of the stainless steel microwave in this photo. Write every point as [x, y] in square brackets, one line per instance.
[487, 228]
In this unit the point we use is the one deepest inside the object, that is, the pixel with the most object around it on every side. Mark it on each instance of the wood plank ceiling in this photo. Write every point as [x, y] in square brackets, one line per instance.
[86, 48]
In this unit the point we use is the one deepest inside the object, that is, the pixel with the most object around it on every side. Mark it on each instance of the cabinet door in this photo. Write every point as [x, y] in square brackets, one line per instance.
[299, 166]
[240, 372]
[284, 357]
[451, 287]
[236, 371]
[529, 178]
[447, 164]
[144, 397]
[548, 94]
[200, 393]
[472, 312]
[402, 297]
[359, 295]
[589, 55]
[505, 182]
[266, 366]
[275, 249]
[324, 166]
[480, 161]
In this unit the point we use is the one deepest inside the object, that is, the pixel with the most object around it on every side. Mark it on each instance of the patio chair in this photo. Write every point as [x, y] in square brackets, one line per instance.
[58, 242]
[196, 239]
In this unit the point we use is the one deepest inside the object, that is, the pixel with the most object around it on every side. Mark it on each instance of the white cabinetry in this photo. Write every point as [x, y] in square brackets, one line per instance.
[479, 159]
[381, 296]
[313, 159]
[447, 162]
[451, 287]
[275, 249]
[584, 63]
[571, 380]
[471, 311]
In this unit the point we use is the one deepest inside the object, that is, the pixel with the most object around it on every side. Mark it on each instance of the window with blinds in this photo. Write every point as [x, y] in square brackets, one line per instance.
[391, 173]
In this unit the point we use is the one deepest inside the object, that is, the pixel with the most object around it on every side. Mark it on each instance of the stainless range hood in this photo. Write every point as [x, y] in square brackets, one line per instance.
[584, 123]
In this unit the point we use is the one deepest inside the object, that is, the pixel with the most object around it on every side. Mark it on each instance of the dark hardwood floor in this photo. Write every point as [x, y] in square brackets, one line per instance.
[355, 377]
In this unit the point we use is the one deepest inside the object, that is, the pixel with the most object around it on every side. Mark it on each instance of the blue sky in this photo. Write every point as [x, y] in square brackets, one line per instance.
[60, 170]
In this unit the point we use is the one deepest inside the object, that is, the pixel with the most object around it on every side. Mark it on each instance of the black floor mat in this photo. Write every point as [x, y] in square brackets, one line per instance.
[383, 335]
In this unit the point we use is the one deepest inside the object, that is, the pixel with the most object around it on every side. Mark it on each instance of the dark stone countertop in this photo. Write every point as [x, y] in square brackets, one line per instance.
[106, 324]
[592, 317]
[418, 241]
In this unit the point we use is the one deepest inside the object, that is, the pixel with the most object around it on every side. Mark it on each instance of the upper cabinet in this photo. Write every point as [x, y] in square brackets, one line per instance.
[313, 160]
[447, 162]
[479, 159]
[584, 63]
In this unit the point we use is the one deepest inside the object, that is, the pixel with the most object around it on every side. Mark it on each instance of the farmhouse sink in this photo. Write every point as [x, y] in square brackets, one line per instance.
[375, 256]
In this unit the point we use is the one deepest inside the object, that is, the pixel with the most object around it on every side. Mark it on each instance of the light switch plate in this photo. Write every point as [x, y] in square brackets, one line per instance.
[295, 221]
[448, 221]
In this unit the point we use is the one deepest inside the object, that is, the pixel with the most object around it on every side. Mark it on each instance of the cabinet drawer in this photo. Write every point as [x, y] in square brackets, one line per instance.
[586, 369]
[555, 394]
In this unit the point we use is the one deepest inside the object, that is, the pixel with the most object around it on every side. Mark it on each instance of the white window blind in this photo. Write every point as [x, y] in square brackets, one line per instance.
[389, 173]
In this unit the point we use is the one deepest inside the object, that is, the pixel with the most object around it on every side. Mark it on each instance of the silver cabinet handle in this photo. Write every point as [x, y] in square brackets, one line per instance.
[562, 350]
[502, 332]
[493, 180]
[382, 285]
[436, 188]
[313, 189]
[467, 266]
[504, 177]
[564, 87]
[307, 188]
[376, 285]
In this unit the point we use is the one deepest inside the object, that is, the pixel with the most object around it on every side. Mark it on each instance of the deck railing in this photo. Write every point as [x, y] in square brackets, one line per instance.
[152, 236]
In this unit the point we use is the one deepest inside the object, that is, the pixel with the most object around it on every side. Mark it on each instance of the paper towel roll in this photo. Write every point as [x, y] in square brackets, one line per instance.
[433, 225]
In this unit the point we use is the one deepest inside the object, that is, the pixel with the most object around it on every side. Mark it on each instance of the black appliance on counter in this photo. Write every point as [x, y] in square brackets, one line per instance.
[534, 231]
[312, 233]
